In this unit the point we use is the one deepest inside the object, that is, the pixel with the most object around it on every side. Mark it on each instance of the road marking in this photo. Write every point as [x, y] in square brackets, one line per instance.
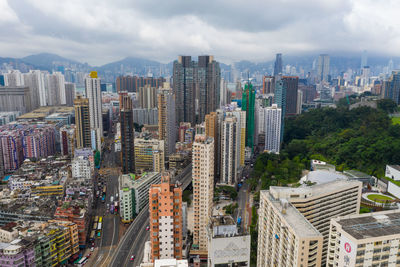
[112, 242]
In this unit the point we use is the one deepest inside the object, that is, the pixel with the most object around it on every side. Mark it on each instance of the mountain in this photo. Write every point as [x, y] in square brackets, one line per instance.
[49, 61]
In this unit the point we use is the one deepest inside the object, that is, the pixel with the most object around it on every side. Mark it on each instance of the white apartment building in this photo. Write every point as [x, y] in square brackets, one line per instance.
[203, 189]
[241, 132]
[13, 78]
[229, 151]
[321, 202]
[134, 193]
[93, 93]
[368, 240]
[166, 118]
[81, 168]
[285, 237]
[35, 80]
[55, 87]
[272, 124]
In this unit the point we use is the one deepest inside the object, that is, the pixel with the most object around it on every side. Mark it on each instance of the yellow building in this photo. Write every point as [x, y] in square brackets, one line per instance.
[73, 234]
[145, 155]
[48, 190]
[60, 245]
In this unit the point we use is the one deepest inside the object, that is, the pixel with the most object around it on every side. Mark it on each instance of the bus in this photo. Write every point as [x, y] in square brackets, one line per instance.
[96, 219]
[94, 226]
[104, 190]
[99, 227]
[92, 235]
[100, 219]
[82, 261]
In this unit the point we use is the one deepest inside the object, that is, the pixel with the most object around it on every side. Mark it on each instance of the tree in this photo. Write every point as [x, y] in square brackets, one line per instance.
[387, 105]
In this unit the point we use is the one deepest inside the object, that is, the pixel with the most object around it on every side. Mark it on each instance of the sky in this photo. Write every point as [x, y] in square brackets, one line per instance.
[103, 31]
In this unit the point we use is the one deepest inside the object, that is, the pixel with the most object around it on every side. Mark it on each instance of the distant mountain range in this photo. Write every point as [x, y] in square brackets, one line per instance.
[140, 66]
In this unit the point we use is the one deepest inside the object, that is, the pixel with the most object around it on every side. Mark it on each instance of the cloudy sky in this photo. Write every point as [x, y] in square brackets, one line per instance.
[100, 31]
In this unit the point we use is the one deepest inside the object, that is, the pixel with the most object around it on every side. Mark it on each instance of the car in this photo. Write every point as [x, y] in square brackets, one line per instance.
[147, 228]
[88, 255]
[91, 249]
[132, 257]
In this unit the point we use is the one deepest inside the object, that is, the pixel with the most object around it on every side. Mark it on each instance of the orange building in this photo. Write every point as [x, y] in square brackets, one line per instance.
[165, 208]
[76, 215]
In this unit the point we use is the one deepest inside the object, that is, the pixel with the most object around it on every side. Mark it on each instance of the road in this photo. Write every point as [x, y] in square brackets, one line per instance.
[132, 243]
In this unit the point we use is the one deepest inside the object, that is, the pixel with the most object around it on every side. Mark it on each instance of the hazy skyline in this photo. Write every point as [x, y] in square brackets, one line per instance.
[102, 31]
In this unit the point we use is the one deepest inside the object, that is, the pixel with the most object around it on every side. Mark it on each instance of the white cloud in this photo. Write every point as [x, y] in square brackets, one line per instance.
[101, 31]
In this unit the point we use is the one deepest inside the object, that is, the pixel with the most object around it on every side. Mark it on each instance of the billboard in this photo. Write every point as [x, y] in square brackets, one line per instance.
[348, 252]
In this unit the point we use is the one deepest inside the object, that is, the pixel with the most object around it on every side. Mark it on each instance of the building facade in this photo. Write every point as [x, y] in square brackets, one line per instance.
[167, 118]
[272, 128]
[146, 158]
[229, 151]
[127, 134]
[82, 122]
[248, 105]
[93, 93]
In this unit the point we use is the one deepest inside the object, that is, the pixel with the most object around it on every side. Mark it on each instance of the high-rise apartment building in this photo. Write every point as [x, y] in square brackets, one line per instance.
[212, 130]
[321, 202]
[248, 104]
[167, 118]
[229, 151]
[36, 83]
[148, 97]
[55, 85]
[127, 134]
[391, 88]
[69, 94]
[208, 82]
[165, 209]
[82, 122]
[184, 89]
[268, 85]
[323, 67]
[370, 239]
[149, 155]
[196, 87]
[15, 99]
[278, 66]
[203, 190]
[93, 93]
[285, 237]
[133, 83]
[13, 78]
[272, 128]
[67, 140]
[241, 132]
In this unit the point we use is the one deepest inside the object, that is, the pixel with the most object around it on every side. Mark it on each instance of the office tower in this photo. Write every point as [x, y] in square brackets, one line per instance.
[392, 87]
[370, 239]
[364, 59]
[166, 118]
[148, 97]
[268, 85]
[285, 237]
[224, 236]
[184, 89]
[203, 185]
[248, 103]
[82, 122]
[133, 83]
[229, 151]
[323, 68]
[55, 87]
[223, 93]
[165, 209]
[211, 124]
[127, 134]
[93, 93]
[291, 84]
[69, 94]
[13, 78]
[272, 126]
[278, 65]
[35, 81]
[280, 100]
[149, 154]
[15, 99]
[208, 82]
[322, 202]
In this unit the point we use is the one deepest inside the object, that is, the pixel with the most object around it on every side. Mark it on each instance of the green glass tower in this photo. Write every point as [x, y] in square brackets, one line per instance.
[248, 103]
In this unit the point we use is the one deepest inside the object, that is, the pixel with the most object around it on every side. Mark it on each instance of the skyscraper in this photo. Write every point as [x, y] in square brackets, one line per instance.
[197, 88]
[166, 118]
[127, 134]
[55, 86]
[69, 94]
[291, 84]
[203, 190]
[35, 81]
[184, 89]
[229, 151]
[268, 84]
[272, 126]
[248, 103]
[165, 209]
[391, 88]
[364, 59]
[208, 82]
[93, 93]
[211, 124]
[82, 122]
[323, 67]
[148, 97]
[278, 65]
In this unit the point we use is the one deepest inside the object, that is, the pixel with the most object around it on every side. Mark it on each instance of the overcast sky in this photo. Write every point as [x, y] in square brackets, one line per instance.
[101, 31]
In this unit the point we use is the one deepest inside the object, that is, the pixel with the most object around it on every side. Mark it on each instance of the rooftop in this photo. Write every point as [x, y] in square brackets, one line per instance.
[292, 216]
[396, 167]
[43, 112]
[377, 224]
[323, 176]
